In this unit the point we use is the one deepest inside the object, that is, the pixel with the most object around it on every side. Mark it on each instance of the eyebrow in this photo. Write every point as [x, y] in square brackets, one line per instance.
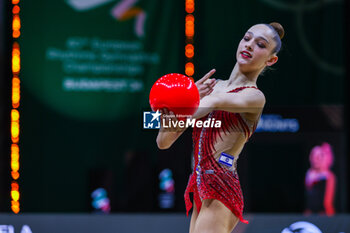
[260, 37]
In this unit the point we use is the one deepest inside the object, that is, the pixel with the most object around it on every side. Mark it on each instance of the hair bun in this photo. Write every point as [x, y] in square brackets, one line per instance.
[278, 28]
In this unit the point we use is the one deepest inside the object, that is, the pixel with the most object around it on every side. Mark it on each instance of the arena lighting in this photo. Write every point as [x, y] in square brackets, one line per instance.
[189, 51]
[15, 92]
[15, 114]
[189, 33]
[16, 25]
[189, 69]
[189, 6]
[189, 26]
[15, 9]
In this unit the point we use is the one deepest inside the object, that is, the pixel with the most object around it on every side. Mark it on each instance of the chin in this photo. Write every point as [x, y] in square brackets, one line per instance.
[244, 64]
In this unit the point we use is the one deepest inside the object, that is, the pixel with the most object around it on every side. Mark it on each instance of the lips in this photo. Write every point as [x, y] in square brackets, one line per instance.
[246, 54]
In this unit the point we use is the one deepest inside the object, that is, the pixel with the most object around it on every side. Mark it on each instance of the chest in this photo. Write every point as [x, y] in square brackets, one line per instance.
[221, 87]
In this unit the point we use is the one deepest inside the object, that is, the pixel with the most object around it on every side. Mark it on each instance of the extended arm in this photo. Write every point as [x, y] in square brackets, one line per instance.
[248, 101]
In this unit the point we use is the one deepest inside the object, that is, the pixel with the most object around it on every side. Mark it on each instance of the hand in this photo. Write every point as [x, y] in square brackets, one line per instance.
[170, 120]
[205, 85]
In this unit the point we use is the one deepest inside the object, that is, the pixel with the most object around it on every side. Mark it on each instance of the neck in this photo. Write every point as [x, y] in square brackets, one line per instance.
[239, 78]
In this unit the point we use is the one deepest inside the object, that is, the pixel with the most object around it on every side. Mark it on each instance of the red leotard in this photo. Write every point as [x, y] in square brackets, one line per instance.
[209, 179]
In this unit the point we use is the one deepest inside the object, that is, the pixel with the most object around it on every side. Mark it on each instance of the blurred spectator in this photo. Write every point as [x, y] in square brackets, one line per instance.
[320, 181]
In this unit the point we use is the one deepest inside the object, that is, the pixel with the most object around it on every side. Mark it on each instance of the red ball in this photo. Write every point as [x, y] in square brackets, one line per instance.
[176, 92]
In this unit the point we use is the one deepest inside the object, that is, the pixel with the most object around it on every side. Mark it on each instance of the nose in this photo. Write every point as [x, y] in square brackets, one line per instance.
[248, 46]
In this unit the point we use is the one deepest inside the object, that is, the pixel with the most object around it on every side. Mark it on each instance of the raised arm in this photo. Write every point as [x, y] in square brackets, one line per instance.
[249, 100]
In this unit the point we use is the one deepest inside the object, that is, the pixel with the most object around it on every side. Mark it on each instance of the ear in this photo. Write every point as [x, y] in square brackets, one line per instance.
[272, 60]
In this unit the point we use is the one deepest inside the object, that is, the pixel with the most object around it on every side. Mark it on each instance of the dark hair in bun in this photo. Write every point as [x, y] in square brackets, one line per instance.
[279, 34]
[278, 28]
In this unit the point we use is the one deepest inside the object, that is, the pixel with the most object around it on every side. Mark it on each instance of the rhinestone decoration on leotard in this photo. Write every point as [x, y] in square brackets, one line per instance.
[220, 183]
[198, 167]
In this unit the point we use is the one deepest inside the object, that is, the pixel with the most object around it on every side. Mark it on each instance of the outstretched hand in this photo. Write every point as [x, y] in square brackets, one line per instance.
[205, 85]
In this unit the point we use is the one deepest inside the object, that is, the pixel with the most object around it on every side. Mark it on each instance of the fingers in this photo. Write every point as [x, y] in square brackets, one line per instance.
[207, 76]
[211, 83]
[207, 87]
[165, 111]
[172, 116]
[168, 114]
[207, 91]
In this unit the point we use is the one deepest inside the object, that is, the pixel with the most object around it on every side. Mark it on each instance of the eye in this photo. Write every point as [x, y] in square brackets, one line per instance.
[261, 45]
[246, 38]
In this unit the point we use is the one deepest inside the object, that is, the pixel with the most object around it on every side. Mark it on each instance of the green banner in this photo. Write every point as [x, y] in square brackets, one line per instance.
[96, 59]
[87, 69]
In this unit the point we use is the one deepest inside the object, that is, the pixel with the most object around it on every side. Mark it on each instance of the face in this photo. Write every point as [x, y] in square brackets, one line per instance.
[316, 158]
[255, 50]
[320, 159]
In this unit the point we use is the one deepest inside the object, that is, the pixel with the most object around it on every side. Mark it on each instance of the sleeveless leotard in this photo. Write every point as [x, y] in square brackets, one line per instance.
[210, 179]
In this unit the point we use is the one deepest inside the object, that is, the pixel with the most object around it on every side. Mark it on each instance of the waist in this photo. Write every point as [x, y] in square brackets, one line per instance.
[217, 161]
[217, 170]
[213, 172]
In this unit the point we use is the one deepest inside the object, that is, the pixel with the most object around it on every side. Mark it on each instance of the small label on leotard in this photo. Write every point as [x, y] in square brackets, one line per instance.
[209, 171]
[226, 159]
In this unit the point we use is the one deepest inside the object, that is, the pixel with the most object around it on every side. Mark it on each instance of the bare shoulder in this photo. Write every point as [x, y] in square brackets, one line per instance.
[255, 99]
[253, 96]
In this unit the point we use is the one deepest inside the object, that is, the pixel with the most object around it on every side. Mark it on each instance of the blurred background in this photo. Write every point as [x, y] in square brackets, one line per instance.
[75, 79]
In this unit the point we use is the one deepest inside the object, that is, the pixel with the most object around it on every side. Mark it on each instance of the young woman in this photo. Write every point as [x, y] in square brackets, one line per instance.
[238, 103]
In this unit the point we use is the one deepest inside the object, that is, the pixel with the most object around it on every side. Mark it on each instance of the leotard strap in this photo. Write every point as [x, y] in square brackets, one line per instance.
[238, 89]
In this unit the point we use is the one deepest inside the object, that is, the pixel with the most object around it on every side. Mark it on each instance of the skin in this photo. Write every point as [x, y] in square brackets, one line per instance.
[258, 41]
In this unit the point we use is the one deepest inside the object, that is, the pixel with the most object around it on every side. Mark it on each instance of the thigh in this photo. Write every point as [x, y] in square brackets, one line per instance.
[215, 217]
[194, 217]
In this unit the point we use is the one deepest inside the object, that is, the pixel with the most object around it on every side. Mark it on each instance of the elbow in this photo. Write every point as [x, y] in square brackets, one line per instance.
[162, 145]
